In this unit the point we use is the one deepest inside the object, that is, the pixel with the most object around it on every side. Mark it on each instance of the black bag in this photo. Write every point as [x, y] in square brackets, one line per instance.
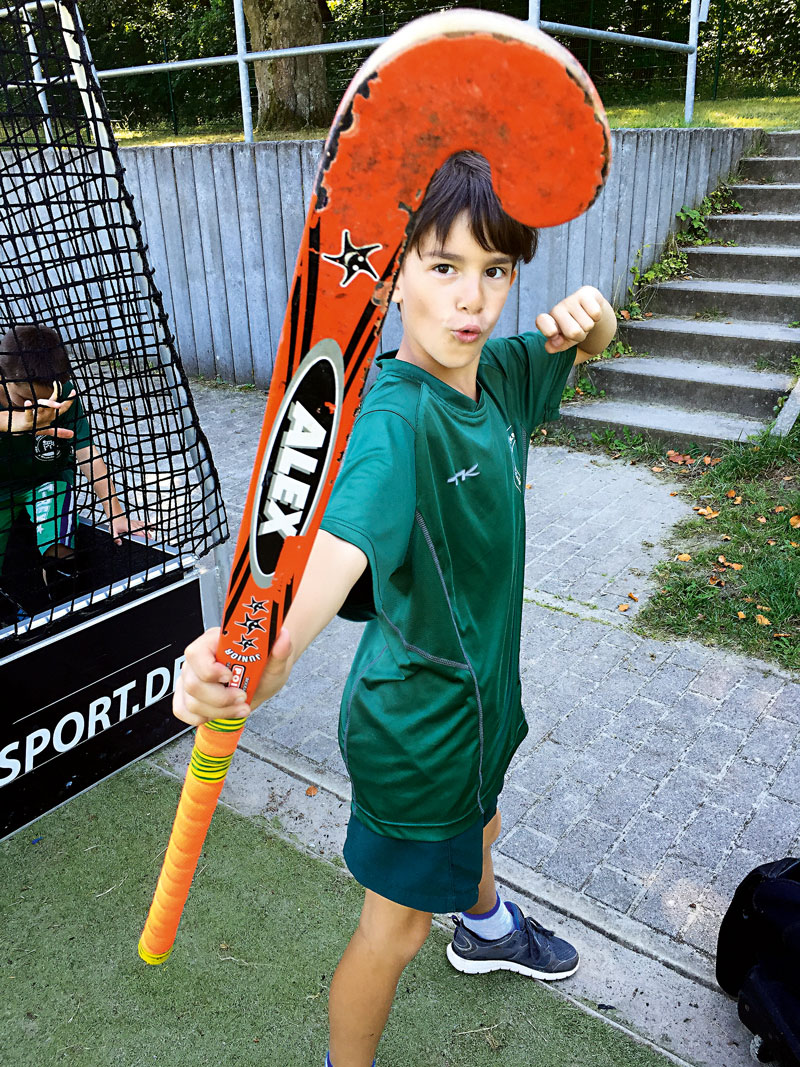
[758, 958]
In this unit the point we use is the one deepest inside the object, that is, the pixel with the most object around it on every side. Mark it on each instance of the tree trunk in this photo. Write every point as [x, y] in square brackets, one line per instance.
[292, 93]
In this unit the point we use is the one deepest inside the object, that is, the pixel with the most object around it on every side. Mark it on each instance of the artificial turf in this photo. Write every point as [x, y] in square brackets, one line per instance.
[247, 981]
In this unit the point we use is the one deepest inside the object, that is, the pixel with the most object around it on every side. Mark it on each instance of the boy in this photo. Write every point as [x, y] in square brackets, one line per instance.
[424, 534]
[44, 434]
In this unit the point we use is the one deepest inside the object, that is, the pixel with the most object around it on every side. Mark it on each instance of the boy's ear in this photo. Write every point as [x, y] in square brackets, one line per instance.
[397, 293]
[513, 277]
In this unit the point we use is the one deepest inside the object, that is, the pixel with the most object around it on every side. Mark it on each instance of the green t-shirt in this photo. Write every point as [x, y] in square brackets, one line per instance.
[431, 489]
[28, 459]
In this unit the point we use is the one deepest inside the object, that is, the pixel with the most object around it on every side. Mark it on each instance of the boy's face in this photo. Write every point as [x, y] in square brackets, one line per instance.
[19, 393]
[450, 299]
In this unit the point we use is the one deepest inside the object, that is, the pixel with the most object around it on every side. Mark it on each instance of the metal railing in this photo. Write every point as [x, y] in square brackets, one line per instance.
[698, 13]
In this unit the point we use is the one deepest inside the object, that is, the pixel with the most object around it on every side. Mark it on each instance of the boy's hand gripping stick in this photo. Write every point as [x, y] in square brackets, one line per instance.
[451, 81]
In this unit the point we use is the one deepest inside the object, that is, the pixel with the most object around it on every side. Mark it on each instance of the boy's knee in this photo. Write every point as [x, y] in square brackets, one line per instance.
[392, 928]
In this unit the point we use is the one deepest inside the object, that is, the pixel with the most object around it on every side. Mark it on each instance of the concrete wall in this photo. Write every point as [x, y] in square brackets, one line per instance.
[223, 224]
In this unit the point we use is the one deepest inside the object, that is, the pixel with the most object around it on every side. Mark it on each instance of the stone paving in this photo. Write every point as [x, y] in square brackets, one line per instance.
[655, 774]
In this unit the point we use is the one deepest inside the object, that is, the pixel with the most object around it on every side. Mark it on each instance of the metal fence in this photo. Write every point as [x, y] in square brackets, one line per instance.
[698, 13]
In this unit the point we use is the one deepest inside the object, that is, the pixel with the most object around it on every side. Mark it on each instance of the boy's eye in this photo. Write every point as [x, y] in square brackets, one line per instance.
[443, 268]
[496, 272]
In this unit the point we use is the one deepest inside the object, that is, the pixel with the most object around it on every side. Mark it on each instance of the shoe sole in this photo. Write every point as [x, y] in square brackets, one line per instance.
[485, 966]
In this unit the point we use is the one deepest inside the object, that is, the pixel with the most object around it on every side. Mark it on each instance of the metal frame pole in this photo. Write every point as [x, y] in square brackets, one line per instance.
[691, 62]
[244, 74]
[37, 73]
[535, 12]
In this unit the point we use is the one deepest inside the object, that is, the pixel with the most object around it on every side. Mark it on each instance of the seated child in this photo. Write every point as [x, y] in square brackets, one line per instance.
[44, 434]
[429, 506]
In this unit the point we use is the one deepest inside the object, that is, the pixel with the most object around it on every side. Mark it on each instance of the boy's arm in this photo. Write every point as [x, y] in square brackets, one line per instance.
[334, 566]
[585, 318]
[95, 471]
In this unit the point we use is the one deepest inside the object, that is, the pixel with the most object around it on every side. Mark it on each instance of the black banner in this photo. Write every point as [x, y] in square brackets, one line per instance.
[82, 705]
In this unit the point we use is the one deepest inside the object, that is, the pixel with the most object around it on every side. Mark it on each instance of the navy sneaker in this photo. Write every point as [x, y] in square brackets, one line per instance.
[530, 950]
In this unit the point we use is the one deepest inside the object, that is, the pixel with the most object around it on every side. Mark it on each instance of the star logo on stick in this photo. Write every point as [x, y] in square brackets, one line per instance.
[250, 623]
[353, 260]
[256, 605]
[246, 642]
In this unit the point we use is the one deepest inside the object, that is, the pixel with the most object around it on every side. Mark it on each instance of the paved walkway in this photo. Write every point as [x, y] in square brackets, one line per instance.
[655, 774]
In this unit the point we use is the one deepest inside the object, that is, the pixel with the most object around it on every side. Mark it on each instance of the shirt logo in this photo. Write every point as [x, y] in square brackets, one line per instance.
[462, 475]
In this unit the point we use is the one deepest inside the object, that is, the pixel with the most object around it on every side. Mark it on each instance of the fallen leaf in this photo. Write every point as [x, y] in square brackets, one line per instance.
[760, 518]
[312, 791]
[714, 580]
[779, 508]
[748, 600]
[781, 635]
[763, 607]
[625, 314]
[794, 522]
[762, 620]
[657, 470]
[543, 432]
[735, 566]
[674, 494]
[671, 452]
[788, 478]
[527, 485]
[731, 493]
[689, 460]
[631, 595]
[706, 460]
[648, 314]
[720, 559]
[741, 614]
[714, 462]
[676, 457]
[725, 537]
[771, 541]
[738, 500]
[623, 607]
[684, 557]
[795, 544]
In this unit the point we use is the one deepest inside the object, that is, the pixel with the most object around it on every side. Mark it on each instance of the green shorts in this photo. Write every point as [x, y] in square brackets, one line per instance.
[50, 509]
[438, 876]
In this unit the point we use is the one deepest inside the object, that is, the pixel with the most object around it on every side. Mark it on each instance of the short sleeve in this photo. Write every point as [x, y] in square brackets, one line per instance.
[76, 421]
[373, 501]
[534, 378]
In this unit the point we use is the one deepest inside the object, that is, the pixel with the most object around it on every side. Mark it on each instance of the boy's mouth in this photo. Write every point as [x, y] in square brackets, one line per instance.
[467, 334]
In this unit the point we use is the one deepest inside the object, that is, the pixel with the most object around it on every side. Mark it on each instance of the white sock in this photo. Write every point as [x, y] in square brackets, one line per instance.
[491, 925]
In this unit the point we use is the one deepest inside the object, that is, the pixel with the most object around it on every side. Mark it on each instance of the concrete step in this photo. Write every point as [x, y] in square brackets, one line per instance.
[674, 427]
[750, 229]
[768, 199]
[759, 263]
[737, 343]
[775, 302]
[784, 144]
[696, 385]
[782, 169]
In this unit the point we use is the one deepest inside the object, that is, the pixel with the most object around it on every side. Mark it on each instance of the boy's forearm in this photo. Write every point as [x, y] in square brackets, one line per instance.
[334, 566]
[96, 473]
[600, 336]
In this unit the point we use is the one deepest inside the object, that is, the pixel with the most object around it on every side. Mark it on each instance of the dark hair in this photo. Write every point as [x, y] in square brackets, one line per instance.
[33, 354]
[464, 183]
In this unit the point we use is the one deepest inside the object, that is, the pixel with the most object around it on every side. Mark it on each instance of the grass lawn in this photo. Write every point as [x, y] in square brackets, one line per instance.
[247, 982]
[778, 112]
[732, 574]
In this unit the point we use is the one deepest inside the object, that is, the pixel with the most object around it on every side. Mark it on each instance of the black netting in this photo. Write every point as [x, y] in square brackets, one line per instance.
[81, 320]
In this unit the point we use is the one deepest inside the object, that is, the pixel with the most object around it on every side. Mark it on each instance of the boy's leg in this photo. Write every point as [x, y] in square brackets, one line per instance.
[495, 935]
[487, 891]
[387, 938]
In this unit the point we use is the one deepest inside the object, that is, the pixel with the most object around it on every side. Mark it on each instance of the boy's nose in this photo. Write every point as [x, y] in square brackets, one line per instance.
[470, 297]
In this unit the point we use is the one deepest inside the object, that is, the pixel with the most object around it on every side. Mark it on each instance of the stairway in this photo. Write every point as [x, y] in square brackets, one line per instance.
[716, 355]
